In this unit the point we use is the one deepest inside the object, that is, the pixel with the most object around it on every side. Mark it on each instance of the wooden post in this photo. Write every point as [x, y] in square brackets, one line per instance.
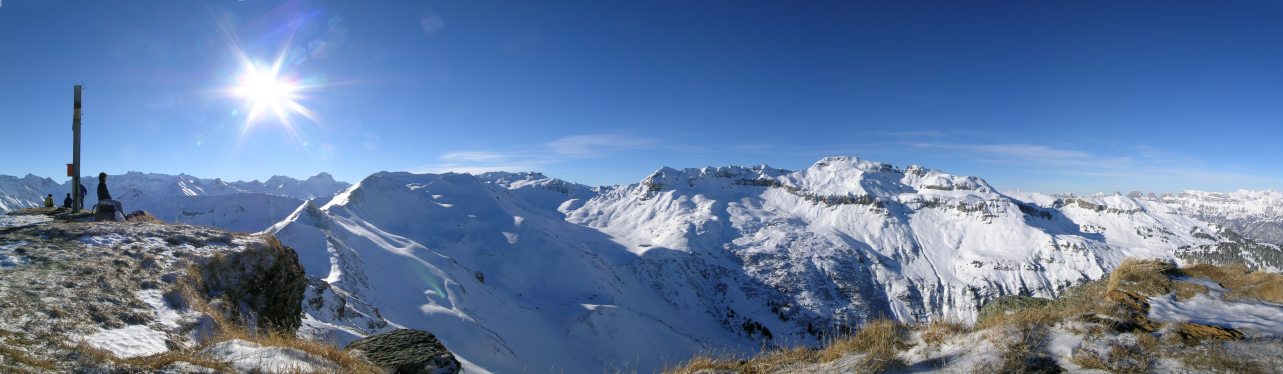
[75, 156]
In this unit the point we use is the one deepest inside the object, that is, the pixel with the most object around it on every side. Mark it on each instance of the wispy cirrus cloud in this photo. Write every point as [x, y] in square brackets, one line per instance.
[475, 156]
[539, 156]
[1041, 155]
[1134, 165]
[597, 145]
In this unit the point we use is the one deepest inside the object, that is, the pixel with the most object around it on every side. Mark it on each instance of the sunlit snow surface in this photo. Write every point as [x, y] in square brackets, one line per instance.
[130, 341]
[13, 221]
[249, 357]
[1249, 315]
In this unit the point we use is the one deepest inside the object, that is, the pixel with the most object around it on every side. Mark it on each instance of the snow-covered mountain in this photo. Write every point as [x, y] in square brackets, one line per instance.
[1254, 214]
[236, 206]
[519, 271]
[1257, 215]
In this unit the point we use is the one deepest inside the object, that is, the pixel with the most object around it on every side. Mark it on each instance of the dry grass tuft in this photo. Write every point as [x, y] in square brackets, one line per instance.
[17, 355]
[1241, 282]
[1021, 349]
[881, 339]
[143, 216]
[1120, 358]
[1213, 272]
[938, 332]
[153, 362]
[1258, 285]
[1147, 277]
[1187, 290]
[1226, 358]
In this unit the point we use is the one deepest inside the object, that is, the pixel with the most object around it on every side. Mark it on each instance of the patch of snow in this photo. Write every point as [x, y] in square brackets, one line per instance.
[14, 221]
[1247, 315]
[102, 240]
[247, 357]
[9, 260]
[165, 315]
[130, 341]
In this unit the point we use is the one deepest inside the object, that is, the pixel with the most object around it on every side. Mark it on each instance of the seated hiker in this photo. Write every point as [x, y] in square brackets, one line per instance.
[105, 196]
[66, 203]
[49, 201]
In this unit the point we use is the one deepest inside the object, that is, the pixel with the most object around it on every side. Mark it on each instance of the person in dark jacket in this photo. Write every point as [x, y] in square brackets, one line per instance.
[105, 196]
[66, 203]
[102, 187]
[49, 201]
[84, 195]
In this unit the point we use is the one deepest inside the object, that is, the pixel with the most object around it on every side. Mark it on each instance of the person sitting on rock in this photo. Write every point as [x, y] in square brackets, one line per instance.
[66, 203]
[49, 201]
[105, 196]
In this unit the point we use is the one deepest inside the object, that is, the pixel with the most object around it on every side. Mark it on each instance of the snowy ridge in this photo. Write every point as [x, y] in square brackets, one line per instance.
[504, 267]
[1254, 214]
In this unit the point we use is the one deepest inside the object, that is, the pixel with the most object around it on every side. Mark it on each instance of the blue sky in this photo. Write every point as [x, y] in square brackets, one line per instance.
[1062, 96]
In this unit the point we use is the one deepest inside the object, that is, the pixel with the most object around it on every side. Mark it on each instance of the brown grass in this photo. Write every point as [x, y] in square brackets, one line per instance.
[1242, 283]
[1075, 301]
[1187, 290]
[937, 333]
[1146, 277]
[1222, 358]
[143, 216]
[1120, 358]
[881, 338]
[19, 356]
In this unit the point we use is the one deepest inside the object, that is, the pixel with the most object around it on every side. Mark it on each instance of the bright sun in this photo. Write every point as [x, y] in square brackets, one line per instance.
[265, 89]
[267, 93]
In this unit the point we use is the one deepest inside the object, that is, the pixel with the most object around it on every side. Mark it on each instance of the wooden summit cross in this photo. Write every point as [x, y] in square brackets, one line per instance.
[73, 170]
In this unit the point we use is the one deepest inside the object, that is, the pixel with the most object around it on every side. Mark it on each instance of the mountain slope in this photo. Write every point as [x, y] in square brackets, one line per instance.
[496, 278]
[519, 270]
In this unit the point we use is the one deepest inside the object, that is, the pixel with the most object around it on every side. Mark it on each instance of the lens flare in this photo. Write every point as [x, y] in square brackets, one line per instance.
[271, 74]
[266, 92]
[264, 89]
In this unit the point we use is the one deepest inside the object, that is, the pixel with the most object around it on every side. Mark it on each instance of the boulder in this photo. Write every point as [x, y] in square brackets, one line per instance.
[265, 280]
[1193, 333]
[407, 351]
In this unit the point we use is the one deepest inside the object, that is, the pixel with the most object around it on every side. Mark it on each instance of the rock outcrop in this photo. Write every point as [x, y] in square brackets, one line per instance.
[265, 280]
[407, 352]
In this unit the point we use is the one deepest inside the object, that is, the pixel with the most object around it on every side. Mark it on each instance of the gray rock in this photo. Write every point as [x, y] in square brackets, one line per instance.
[265, 280]
[407, 352]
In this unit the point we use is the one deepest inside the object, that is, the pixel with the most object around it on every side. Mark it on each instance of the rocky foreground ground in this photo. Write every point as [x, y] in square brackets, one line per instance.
[144, 296]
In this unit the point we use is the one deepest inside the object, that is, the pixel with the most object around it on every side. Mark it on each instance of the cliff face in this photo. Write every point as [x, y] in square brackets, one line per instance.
[88, 296]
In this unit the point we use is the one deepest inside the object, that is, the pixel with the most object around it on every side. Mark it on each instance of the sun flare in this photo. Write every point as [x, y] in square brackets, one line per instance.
[268, 93]
[266, 89]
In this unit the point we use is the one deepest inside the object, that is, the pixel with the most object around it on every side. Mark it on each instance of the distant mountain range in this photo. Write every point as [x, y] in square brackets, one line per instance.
[235, 206]
[515, 271]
